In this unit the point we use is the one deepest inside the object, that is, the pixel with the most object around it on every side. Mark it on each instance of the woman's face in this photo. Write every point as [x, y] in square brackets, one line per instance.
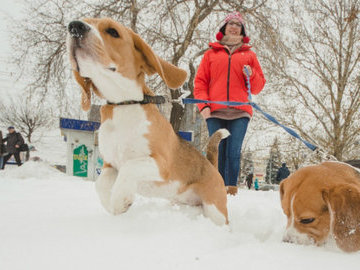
[233, 28]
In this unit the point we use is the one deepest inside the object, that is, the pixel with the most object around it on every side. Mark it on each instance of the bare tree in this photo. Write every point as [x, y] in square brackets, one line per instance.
[315, 71]
[179, 31]
[26, 115]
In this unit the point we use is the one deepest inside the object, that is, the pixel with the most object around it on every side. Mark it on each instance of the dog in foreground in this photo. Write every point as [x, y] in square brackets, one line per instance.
[141, 152]
[322, 202]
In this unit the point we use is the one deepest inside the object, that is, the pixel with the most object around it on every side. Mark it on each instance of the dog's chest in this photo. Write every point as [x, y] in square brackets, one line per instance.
[121, 138]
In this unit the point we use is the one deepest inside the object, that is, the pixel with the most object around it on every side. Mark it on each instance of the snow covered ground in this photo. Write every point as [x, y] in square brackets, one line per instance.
[52, 221]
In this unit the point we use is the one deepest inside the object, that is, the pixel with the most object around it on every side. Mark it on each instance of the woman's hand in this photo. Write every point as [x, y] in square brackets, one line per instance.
[205, 113]
[249, 70]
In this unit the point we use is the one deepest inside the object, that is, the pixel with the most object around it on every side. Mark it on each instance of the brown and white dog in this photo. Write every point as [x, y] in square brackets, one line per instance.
[141, 151]
[322, 202]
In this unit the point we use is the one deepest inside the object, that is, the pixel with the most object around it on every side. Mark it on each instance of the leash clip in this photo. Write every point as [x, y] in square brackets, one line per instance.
[180, 100]
[324, 156]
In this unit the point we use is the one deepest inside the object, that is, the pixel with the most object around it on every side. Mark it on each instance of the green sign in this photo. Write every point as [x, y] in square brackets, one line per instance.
[80, 158]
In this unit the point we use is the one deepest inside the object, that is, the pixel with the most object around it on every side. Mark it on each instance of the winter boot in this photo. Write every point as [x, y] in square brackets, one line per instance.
[232, 190]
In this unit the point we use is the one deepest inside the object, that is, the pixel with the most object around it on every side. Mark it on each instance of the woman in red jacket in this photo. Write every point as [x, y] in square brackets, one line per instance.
[221, 76]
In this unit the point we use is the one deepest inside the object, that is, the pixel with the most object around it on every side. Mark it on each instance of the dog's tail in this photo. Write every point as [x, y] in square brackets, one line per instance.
[212, 148]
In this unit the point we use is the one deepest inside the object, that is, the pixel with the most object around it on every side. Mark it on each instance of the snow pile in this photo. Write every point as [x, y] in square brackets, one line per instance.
[53, 221]
[32, 169]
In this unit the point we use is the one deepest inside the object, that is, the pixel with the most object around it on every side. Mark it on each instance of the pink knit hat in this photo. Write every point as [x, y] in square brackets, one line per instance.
[237, 16]
[234, 15]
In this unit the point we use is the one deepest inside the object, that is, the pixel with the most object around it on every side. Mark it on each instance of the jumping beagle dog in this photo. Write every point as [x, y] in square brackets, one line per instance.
[322, 202]
[141, 152]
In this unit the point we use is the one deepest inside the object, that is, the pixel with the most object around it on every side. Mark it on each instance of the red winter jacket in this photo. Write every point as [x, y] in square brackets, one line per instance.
[220, 76]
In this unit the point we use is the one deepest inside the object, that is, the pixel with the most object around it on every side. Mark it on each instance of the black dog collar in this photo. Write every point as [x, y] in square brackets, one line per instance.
[147, 99]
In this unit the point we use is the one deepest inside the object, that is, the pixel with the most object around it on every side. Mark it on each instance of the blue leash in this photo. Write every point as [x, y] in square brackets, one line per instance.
[255, 106]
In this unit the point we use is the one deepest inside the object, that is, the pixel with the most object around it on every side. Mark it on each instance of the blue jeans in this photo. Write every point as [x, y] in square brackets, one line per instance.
[229, 148]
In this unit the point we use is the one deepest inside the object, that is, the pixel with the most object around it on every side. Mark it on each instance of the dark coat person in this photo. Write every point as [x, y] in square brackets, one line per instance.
[282, 173]
[2, 150]
[13, 142]
[2, 146]
[249, 180]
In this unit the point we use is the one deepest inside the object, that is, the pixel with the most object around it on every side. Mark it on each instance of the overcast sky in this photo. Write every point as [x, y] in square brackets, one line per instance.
[8, 9]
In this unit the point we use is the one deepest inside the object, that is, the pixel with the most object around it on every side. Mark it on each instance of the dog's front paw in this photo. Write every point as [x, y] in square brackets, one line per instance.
[120, 205]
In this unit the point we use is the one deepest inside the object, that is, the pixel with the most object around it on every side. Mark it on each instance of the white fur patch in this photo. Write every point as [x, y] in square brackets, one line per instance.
[224, 133]
[95, 32]
[122, 138]
[104, 185]
[294, 236]
[122, 143]
[214, 214]
[170, 191]
[188, 197]
[112, 85]
[161, 190]
[130, 174]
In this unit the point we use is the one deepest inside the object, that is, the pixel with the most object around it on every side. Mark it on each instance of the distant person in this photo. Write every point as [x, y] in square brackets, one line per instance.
[249, 180]
[14, 141]
[256, 184]
[2, 150]
[282, 173]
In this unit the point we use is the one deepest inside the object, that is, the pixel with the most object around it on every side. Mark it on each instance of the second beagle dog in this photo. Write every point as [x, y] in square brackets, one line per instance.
[323, 201]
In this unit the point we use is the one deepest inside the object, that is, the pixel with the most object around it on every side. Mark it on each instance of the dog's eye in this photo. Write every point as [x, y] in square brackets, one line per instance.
[307, 220]
[112, 32]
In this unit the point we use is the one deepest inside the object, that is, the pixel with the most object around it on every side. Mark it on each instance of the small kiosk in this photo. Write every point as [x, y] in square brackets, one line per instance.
[83, 159]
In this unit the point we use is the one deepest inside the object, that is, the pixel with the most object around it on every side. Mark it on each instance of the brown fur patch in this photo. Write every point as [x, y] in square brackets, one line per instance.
[86, 85]
[106, 112]
[212, 148]
[344, 200]
[107, 165]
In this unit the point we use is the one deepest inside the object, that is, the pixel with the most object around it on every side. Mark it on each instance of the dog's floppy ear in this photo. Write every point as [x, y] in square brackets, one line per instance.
[173, 76]
[86, 84]
[344, 201]
[282, 189]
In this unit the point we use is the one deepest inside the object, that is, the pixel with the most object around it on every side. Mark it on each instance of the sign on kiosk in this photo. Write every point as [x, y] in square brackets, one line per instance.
[83, 158]
[80, 159]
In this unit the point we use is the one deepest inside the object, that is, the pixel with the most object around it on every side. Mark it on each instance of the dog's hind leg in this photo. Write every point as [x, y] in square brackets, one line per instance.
[104, 184]
[214, 202]
[215, 214]
[130, 174]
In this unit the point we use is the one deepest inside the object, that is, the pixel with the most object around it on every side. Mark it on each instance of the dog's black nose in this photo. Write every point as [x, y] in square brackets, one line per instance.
[78, 29]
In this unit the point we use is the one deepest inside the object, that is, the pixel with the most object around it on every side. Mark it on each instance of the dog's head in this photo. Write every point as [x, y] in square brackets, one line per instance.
[321, 201]
[113, 60]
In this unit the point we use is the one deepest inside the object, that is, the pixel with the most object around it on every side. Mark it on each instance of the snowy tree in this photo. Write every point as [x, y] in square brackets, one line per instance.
[295, 153]
[179, 31]
[274, 163]
[247, 164]
[315, 65]
[26, 115]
